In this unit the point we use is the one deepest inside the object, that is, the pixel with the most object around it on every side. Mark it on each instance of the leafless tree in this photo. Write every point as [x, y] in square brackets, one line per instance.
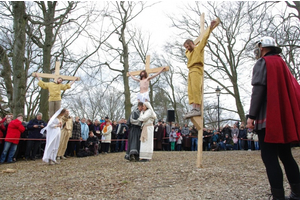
[286, 31]
[121, 15]
[93, 105]
[17, 69]
[53, 30]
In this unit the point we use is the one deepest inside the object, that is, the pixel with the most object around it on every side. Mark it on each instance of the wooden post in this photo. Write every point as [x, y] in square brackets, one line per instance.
[198, 120]
[148, 69]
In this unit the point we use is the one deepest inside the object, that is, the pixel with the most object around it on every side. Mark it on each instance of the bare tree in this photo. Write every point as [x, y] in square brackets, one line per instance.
[43, 29]
[123, 13]
[52, 33]
[94, 106]
[16, 87]
[295, 5]
[286, 31]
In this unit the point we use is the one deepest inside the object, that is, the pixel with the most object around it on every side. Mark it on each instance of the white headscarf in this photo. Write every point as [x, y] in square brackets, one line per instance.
[148, 105]
[51, 120]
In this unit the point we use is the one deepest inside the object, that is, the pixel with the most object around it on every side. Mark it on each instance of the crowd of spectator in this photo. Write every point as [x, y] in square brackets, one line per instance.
[22, 139]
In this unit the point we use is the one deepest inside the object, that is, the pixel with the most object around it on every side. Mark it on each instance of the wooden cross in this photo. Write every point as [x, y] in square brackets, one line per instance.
[56, 74]
[198, 120]
[148, 69]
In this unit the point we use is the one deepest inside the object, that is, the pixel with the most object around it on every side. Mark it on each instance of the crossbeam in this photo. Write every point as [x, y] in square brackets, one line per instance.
[148, 69]
[56, 74]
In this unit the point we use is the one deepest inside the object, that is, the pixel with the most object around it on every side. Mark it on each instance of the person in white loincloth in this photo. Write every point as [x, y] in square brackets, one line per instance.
[144, 80]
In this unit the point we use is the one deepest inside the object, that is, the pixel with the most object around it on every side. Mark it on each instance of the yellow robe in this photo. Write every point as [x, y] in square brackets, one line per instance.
[54, 89]
[196, 69]
[66, 133]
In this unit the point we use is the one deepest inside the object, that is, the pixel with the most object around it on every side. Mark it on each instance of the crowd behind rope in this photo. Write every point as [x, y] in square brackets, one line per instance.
[23, 140]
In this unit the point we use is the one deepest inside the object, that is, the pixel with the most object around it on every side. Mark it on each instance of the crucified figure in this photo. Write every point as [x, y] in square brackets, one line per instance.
[195, 55]
[144, 80]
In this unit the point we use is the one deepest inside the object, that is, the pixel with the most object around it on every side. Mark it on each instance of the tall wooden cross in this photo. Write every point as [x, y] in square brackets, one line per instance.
[198, 120]
[56, 74]
[148, 69]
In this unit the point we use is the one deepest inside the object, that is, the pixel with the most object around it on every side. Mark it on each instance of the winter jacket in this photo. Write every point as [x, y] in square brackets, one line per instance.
[35, 132]
[14, 130]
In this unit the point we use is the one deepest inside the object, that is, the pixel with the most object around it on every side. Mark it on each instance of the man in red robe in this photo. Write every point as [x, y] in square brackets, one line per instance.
[275, 109]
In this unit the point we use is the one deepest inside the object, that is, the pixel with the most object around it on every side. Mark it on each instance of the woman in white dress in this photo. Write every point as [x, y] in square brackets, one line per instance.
[53, 129]
[147, 116]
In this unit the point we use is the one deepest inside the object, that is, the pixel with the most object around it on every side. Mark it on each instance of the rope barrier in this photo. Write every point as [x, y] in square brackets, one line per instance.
[76, 140]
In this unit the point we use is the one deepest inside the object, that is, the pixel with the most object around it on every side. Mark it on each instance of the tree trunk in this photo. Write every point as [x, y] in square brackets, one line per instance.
[6, 75]
[239, 105]
[19, 75]
[49, 36]
[125, 57]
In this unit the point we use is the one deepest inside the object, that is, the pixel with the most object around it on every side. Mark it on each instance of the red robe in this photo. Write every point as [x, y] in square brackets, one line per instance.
[283, 103]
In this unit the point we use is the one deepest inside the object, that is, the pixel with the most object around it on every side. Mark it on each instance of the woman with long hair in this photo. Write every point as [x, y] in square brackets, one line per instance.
[53, 129]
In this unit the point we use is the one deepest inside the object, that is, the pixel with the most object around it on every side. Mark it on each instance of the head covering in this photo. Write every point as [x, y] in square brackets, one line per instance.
[270, 43]
[148, 105]
[51, 120]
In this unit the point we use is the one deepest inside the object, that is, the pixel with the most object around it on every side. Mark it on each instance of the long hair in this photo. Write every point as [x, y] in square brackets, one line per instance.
[62, 113]
[145, 74]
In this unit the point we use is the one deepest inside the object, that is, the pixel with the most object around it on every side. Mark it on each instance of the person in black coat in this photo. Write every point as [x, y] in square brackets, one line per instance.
[34, 128]
[92, 143]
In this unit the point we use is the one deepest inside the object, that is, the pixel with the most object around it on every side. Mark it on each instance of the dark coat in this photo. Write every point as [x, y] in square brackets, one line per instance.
[94, 140]
[35, 132]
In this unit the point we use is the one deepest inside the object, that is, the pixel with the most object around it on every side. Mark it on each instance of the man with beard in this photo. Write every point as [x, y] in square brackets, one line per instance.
[134, 125]
[54, 92]
[158, 134]
[144, 80]
[66, 133]
[195, 55]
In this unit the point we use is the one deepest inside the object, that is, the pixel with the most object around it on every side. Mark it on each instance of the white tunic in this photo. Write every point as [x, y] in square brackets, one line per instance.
[52, 141]
[146, 149]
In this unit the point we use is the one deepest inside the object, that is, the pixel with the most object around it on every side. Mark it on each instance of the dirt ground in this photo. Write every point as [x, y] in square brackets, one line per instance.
[170, 175]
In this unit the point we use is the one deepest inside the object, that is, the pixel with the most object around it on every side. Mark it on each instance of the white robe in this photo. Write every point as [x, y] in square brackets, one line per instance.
[52, 141]
[146, 148]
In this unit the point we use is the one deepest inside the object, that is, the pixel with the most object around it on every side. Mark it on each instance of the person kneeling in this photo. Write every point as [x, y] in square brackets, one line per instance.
[92, 144]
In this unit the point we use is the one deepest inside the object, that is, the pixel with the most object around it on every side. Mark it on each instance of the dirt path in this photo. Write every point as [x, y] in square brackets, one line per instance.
[170, 175]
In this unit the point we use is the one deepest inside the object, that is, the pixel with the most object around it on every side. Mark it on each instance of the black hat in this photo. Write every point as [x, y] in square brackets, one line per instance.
[159, 120]
[106, 117]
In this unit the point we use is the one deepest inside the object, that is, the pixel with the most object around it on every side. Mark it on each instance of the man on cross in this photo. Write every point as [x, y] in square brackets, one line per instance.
[195, 56]
[144, 80]
[54, 92]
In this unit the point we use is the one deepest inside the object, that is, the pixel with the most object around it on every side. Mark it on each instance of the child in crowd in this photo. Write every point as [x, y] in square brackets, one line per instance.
[214, 146]
[235, 142]
[249, 138]
[172, 139]
[255, 139]
[179, 141]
